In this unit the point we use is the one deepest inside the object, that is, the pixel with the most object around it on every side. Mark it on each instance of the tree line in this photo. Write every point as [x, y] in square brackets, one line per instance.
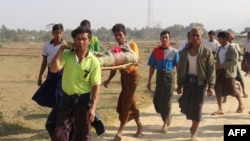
[178, 32]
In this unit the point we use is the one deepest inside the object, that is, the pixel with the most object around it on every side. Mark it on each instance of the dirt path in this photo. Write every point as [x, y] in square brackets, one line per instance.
[211, 127]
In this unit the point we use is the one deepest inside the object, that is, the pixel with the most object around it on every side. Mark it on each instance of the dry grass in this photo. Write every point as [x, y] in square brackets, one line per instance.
[21, 118]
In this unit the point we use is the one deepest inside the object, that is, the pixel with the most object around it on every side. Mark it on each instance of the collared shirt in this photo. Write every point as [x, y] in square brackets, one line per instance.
[49, 50]
[213, 45]
[222, 53]
[163, 59]
[78, 78]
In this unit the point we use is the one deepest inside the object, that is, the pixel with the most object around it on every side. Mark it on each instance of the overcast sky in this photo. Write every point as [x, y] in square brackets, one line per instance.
[213, 14]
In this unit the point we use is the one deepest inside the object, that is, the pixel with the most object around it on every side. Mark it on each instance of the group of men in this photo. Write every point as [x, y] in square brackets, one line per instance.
[73, 82]
[74, 76]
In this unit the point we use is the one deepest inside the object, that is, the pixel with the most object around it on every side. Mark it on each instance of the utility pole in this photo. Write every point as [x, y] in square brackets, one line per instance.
[150, 14]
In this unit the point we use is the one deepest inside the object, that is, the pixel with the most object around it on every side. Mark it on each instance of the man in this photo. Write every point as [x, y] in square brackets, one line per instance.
[212, 43]
[238, 76]
[195, 74]
[126, 105]
[226, 68]
[94, 43]
[50, 92]
[164, 58]
[81, 86]
[245, 66]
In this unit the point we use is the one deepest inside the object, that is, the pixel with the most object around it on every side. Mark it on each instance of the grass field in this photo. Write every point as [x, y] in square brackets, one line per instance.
[21, 119]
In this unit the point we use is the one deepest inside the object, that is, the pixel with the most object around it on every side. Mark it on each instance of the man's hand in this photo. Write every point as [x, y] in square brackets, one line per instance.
[179, 90]
[91, 115]
[68, 45]
[106, 83]
[39, 81]
[149, 86]
[210, 91]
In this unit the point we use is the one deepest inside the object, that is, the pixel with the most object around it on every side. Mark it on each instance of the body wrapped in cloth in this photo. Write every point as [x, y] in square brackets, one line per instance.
[117, 56]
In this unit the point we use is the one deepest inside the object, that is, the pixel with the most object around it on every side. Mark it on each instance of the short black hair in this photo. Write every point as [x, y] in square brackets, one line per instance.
[80, 30]
[211, 32]
[165, 32]
[224, 35]
[119, 28]
[85, 23]
[57, 27]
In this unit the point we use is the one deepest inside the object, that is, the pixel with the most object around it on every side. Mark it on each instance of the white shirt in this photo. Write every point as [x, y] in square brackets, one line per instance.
[246, 46]
[183, 45]
[192, 64]
[50, 51]
[222, 53]
[213, 45]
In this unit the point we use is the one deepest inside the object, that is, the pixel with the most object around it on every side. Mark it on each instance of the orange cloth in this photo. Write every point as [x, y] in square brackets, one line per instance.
[134, 47]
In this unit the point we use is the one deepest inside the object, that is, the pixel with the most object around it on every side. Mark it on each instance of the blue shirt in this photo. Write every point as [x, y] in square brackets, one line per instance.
[163, 58]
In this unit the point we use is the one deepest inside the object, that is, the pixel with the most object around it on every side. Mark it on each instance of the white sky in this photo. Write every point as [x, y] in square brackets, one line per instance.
[36, 14]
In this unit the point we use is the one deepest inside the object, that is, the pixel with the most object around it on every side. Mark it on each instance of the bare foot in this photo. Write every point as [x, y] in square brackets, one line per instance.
[240, 109]
[193, 134]
[139, 131]
[117, 137]
[164, 128]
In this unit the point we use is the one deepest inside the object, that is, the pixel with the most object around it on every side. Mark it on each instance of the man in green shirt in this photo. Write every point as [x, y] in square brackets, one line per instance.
[81, 87]
[94, 43]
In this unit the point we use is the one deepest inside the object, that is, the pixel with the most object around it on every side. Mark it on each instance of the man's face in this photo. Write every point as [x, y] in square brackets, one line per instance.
[82, 42]
[195, 37]
[120, 37]
[222, 41]
[211, 37]
[165, 39]
[57, 35]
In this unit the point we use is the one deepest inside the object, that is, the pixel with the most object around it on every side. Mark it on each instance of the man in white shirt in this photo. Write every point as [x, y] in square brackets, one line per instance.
[212, 43]
[185, 42]
[239, 77]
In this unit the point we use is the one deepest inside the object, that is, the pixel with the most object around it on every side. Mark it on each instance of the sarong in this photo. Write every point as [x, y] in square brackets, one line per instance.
[164, 93]
[191, 102]
[49, 93]
[126, 105]
[245, 64]
[225, 86]
[71, 122]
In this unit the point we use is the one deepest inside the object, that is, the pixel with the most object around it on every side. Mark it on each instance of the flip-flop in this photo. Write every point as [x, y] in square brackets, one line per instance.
[218, 113]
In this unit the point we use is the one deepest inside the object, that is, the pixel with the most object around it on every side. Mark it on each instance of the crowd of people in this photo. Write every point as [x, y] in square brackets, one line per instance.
[73, 82]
